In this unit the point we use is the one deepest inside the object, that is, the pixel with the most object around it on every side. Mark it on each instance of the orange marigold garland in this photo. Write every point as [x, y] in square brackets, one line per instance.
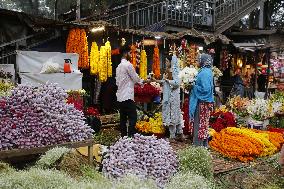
[77, 43]
[156, 63]
[246, 144]
[133, 56]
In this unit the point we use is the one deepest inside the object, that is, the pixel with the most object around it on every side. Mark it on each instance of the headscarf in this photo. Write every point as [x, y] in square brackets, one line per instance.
[205, 61]
[203, 88]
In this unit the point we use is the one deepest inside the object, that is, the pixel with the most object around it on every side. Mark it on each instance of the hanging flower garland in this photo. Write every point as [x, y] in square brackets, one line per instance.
[133, 56]
[108, 56]
[192, 55]
[102, 64]
[156, 63]
[143, 65]
[77, 43]
[94, 59]
[225, 60]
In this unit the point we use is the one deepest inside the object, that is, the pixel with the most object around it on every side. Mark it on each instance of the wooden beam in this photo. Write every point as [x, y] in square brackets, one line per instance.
[32, 151]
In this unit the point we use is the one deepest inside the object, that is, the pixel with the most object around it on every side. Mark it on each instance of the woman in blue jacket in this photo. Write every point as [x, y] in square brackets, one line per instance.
[202, 100]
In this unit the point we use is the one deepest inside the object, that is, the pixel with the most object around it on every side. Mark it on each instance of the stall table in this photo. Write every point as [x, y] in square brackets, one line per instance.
[39, 150]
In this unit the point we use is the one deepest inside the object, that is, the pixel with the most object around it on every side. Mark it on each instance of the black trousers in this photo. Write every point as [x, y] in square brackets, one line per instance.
[127, 110]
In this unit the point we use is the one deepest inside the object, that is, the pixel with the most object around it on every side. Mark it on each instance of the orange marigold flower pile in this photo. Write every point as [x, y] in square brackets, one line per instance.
[246, 144]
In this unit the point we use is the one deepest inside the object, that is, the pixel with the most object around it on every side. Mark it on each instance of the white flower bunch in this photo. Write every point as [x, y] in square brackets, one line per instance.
[188, 76]
[259, 109]
[216, 72]
[51, 156]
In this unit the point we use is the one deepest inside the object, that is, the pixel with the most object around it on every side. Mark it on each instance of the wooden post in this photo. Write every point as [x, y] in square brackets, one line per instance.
[90, 154]
[78, 11]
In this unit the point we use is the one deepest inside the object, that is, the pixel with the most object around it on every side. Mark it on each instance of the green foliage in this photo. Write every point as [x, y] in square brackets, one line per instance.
[188, 180]
[196, 160]
[4, 168]
[51, 157]
[107, 137]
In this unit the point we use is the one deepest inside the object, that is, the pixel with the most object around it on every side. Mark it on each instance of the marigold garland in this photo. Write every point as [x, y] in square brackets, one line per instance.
[246, 144]
[94, 59]
[134, 56]
[105, 64]
[77, 43]
[156, 63]
[143, 65]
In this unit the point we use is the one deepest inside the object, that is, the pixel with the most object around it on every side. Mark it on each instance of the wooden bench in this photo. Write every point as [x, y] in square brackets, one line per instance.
[39, 150]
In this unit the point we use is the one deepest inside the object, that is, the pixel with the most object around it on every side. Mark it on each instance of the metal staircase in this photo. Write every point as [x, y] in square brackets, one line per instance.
[230, 12]
[214, 15]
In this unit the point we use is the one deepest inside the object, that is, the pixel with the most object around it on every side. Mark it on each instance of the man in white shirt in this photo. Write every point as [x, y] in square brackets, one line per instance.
[126, 78]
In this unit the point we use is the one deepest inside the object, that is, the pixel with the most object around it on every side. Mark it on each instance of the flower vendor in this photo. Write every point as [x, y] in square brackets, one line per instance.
[171, 98]
[201, 101]
[238, 87]
[126, 78]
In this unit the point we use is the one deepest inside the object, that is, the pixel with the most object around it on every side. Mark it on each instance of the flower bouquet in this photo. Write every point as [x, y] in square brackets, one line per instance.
[146, 92]
[152, 126]
[239, 105]
[216, 72]
[278, 101]
[76, 97]
[188, 76]
[221, 119]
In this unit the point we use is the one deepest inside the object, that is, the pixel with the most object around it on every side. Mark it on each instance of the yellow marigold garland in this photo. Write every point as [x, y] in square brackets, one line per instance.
[77, 43]
[143, 65]
[94, 59]
[108, 56]
[103, 64]
[156, 63]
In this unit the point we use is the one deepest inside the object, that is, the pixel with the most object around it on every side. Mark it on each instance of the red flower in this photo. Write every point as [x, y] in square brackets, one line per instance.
[221, 120]
[91, 111]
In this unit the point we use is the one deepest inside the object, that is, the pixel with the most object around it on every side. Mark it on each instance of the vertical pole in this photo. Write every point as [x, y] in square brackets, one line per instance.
[261, 16]
[268, 72]
[167, 11]
[192, 12]
[127, 16]
[78, 11]
[213, 15]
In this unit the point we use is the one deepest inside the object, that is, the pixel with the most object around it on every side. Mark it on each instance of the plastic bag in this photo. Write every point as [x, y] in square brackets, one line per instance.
[50, 67]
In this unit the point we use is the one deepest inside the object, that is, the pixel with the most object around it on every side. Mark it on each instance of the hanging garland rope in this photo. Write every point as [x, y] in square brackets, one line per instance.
[108, 56]
[134, 56]
[94, 59]
[143, 65]
[77, 43]
[156, 63]
[105, 64]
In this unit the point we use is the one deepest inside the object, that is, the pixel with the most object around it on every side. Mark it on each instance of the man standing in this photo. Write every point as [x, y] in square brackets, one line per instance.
[126, 78]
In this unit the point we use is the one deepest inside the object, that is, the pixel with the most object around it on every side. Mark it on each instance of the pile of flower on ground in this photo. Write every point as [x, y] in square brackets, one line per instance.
[246, 144]
[39, 116]
[144, 156]
[152, 126]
